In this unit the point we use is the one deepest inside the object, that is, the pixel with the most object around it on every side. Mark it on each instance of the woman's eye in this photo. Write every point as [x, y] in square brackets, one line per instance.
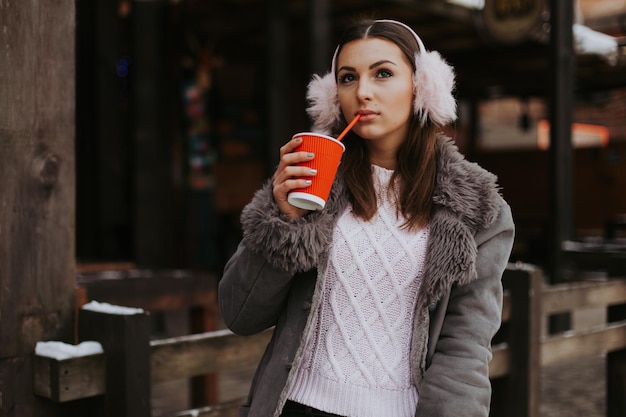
[383, 73]
[346, 78]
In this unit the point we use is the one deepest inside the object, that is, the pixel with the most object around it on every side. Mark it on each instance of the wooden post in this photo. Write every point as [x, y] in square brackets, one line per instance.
[204, 388]
[517, 395]
[153, 191]
[616, 371]
[36, 192]
[561, 153]
[319, 44]
[616, 384]
[104, 146]
[277, 85]
[125, 339]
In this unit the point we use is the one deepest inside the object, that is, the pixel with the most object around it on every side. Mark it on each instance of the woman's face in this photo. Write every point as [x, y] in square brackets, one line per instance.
[375, 79]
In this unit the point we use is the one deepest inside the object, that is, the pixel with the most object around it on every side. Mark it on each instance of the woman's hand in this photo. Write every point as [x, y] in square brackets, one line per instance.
[285, 177]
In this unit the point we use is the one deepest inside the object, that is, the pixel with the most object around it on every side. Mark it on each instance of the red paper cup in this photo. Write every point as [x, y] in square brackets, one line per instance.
[328, 152]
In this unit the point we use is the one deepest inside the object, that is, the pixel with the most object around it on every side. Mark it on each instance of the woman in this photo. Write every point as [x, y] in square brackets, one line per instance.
[385, 302]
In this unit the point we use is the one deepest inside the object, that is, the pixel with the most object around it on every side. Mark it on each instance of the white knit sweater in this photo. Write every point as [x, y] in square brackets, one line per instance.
[356, 363]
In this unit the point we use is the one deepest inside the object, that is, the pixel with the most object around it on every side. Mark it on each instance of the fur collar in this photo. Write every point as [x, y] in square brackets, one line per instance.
[465, 188]
[466, 200]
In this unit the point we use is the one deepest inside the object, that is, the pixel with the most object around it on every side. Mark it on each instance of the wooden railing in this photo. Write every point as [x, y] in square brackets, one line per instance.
[132, 362]
[157, 291]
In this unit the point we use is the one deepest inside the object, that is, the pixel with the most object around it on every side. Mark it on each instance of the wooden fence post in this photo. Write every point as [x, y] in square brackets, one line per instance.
[125, 339]
[616, 371]
[517, 394]
[204, 388]
[616, 384]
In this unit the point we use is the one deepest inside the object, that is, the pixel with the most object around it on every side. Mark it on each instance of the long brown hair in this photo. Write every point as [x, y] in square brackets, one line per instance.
[416, 157]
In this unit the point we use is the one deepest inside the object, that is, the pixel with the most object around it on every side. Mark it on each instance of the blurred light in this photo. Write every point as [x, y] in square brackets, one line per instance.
[469, 4]
[583, 135]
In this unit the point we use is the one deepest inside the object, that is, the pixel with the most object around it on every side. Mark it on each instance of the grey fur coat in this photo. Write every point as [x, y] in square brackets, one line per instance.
[276, 276]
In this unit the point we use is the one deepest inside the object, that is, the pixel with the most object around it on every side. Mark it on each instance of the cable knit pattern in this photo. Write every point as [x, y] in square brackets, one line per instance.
[357, 362]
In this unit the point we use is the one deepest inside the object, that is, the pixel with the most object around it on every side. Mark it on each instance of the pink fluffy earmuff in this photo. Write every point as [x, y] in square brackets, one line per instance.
[433, 83]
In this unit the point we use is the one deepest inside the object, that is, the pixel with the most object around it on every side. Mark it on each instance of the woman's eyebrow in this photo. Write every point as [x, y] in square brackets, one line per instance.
[381, 62]
[345, 68]
[374, 65]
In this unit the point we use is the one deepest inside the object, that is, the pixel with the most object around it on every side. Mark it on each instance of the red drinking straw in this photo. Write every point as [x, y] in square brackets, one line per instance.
[350, 126]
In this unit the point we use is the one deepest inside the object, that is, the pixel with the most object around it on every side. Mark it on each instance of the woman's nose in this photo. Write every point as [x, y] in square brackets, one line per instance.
[364, 90]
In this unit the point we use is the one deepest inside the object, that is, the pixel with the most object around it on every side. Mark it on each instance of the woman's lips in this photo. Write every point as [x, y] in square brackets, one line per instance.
[367, 115]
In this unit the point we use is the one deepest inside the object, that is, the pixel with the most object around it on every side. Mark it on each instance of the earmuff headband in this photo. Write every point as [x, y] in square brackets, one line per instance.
[422, 48]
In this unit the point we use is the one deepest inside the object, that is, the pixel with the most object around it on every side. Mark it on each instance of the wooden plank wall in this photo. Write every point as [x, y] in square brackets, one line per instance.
[36, 191]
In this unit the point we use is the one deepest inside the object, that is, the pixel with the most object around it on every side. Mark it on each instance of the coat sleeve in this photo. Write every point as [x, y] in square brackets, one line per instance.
[251, 292]
[457, 381]
[256, 280]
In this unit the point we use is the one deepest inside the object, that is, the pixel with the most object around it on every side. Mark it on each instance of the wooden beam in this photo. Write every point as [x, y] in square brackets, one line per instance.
[177, 358]
[218, 351]
[170, 359]
[570, 346]
[506, 307]
[499, 365]
[440, 8]
[153, 290]
[568, 297]
[69, 379]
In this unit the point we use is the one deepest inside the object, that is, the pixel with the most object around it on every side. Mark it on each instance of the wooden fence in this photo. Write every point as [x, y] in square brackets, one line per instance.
[131, 362]
[160, 292]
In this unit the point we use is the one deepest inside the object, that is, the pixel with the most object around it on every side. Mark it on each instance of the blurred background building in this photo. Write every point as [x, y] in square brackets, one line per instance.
[183, 104]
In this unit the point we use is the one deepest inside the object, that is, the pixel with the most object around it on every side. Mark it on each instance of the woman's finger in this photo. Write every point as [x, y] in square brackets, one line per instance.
[289, 176]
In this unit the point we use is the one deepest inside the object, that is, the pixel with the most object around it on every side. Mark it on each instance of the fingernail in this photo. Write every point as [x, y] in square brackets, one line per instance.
[298, 140]
[310, 155]
[313, 171]
[308, 182]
